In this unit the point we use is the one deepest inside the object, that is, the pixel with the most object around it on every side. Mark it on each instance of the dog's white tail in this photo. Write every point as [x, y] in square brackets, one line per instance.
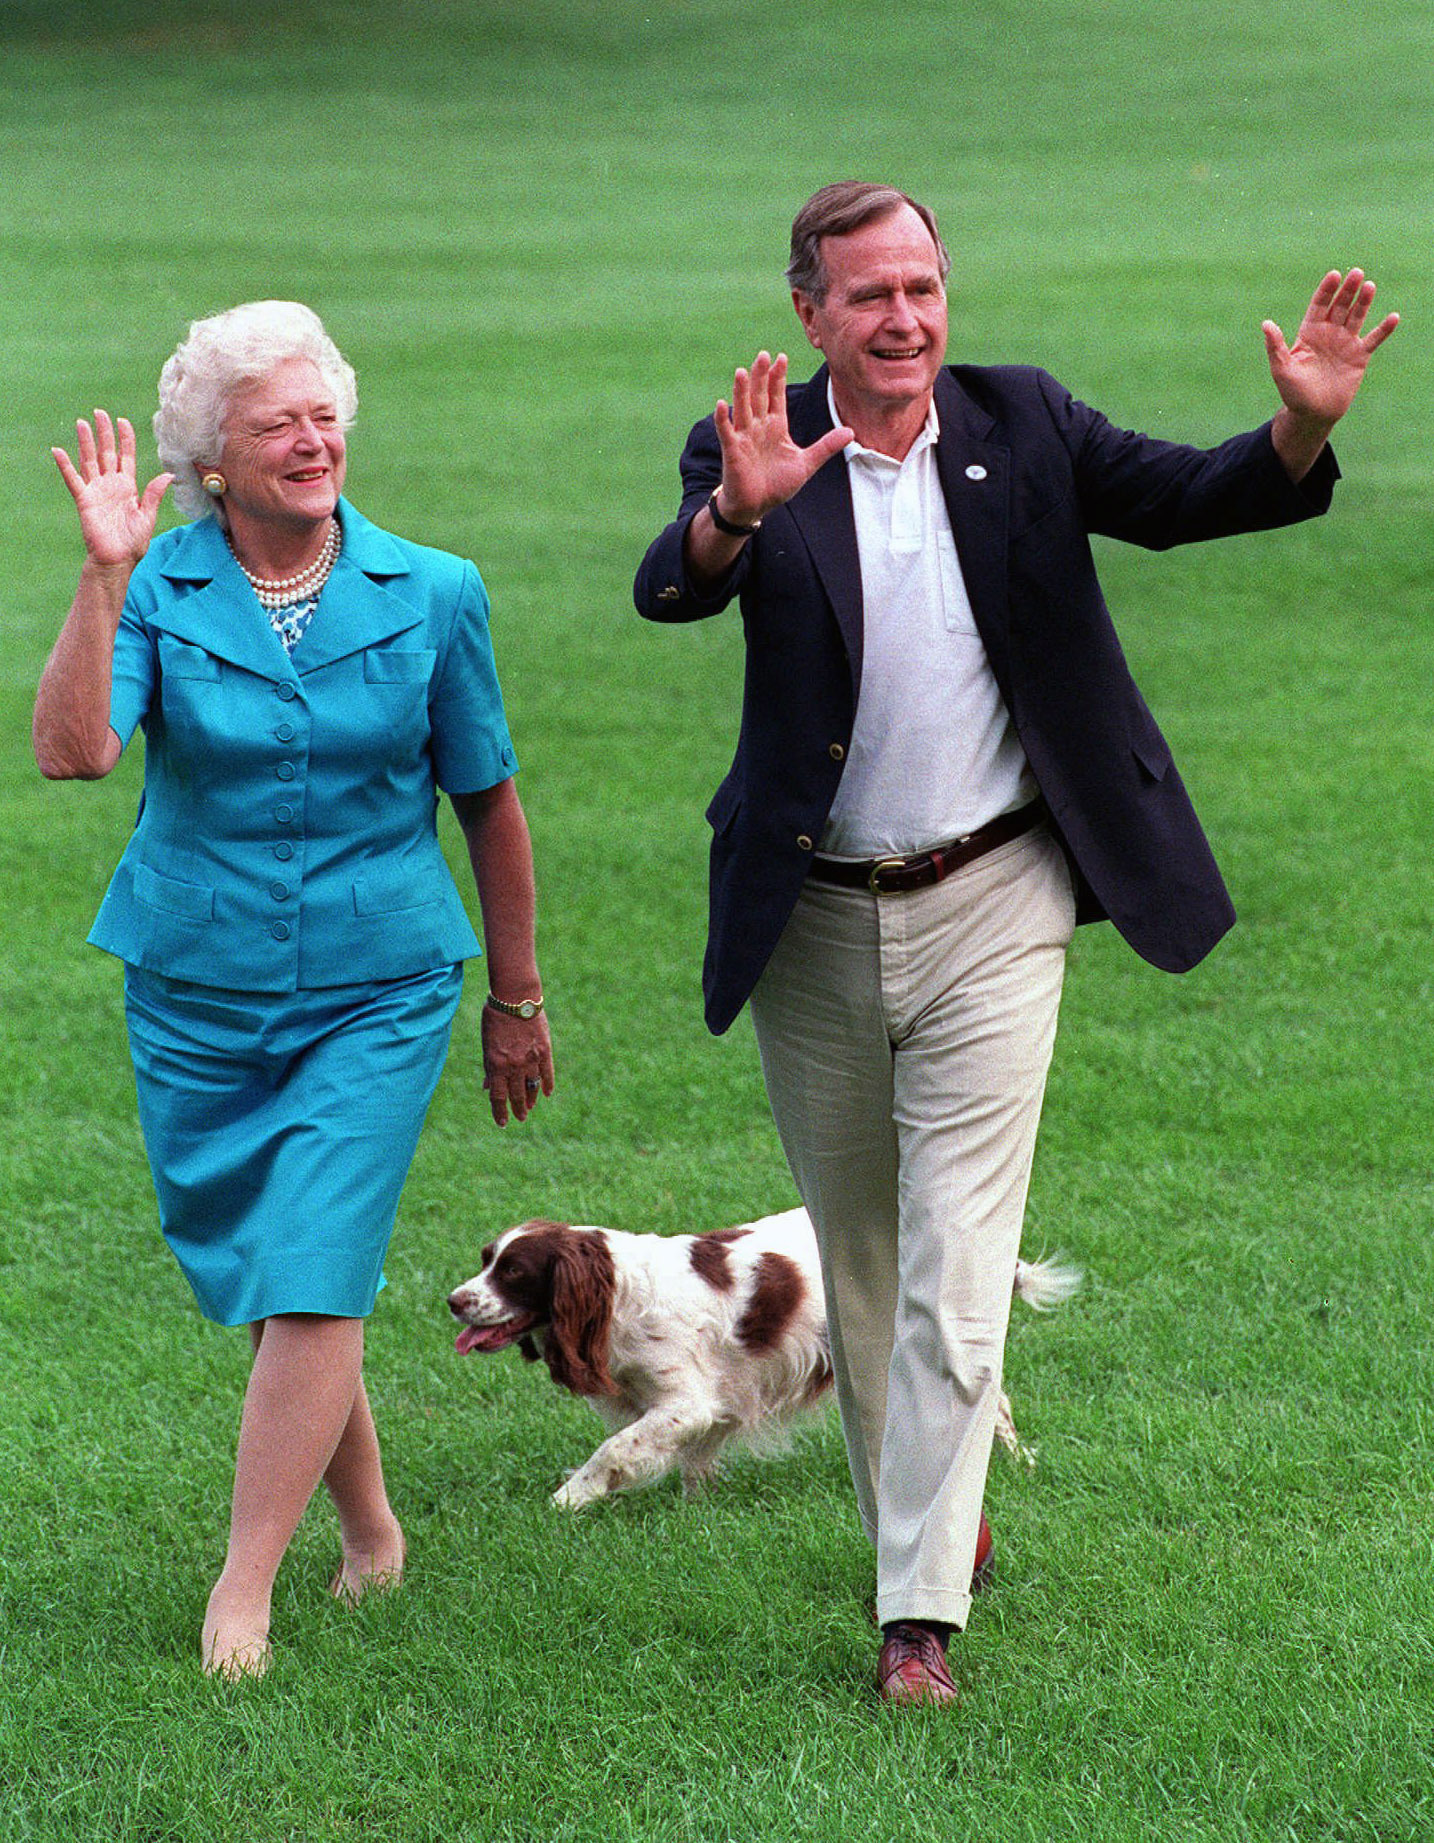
[1043, 1284]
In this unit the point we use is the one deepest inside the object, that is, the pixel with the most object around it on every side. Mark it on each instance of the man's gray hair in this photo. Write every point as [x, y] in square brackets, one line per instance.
[838, 210]
[219, 356]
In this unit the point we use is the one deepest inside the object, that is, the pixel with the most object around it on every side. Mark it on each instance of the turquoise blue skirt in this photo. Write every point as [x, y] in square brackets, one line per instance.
[280, 1129]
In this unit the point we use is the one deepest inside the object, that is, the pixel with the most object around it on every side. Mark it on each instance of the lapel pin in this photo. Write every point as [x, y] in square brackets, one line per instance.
[975, 472]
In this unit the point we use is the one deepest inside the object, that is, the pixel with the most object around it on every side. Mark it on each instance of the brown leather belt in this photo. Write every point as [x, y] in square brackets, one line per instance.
[895, 876]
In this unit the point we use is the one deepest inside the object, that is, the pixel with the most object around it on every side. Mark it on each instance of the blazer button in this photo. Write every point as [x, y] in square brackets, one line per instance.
[280, 931]
[285, 771]
[278, 891]
[836, 751]
[283, 851]
[283, 812]
[285, 690]
[285, 732]
[803, 842]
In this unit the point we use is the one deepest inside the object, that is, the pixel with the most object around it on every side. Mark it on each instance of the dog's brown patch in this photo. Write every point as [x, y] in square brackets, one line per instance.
[710, 1261]
[523, 1274]
[775, 1299]
[564, 1277]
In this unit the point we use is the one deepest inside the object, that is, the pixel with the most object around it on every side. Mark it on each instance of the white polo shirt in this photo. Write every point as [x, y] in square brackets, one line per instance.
[933, 753]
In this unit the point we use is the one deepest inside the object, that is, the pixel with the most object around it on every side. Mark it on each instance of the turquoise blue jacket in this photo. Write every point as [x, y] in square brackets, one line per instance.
[287, 836]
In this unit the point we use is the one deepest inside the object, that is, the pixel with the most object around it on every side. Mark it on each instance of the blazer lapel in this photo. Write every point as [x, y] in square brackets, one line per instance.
[975, 476]
[220, 612]
[823, 513]
[355, 610]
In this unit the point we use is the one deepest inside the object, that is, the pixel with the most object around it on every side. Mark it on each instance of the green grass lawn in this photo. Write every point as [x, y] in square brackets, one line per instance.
[545, 235]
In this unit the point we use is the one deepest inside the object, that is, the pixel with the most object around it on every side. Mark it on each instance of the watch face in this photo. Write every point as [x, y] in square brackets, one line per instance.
[527, 1009]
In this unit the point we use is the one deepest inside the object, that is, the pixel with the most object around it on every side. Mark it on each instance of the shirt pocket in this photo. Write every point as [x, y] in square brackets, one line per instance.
[955, 602]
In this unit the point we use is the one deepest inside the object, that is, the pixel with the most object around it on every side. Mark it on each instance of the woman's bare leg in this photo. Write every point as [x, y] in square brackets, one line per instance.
[300, 1399]
[372, 1538]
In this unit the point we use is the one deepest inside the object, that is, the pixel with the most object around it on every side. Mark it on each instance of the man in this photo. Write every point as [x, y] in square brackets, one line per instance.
[943, 765]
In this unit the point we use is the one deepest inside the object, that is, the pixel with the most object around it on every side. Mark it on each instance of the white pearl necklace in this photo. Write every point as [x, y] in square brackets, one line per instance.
[284, 591]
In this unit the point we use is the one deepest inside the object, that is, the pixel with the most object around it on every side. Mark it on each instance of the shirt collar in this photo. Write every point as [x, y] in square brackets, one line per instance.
[929, 436]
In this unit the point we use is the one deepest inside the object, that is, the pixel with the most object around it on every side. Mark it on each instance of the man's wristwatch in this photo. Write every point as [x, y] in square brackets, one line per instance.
[526, 1007]
[725, 524]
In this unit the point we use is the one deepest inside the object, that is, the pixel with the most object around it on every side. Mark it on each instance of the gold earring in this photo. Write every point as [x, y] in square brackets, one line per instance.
[214, 484]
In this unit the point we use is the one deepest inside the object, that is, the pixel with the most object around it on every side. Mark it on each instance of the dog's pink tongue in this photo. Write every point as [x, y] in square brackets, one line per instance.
[469, 1338]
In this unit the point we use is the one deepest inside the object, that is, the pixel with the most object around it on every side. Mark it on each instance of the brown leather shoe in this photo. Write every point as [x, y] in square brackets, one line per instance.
[912, 1667]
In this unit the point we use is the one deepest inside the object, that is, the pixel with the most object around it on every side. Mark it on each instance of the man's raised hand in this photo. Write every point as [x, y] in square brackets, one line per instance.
[1317, 377]
[762, 466]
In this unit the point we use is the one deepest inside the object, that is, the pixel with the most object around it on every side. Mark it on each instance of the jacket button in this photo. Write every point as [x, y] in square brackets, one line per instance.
[278, 891]
[283, 812]
[280, 931]
[283, 851]
[285, 771]
[836, 751]
[285, 690]
[803, 842]
[285, 732]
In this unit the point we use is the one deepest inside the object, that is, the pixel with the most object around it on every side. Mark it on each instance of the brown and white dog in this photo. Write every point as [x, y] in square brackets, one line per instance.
[680, 1343]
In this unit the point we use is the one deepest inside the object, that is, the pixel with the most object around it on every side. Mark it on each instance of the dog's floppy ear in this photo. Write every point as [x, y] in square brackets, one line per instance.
[575, 1346]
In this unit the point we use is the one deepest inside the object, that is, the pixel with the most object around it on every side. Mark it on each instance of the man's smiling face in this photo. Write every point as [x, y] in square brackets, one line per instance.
[882, 324]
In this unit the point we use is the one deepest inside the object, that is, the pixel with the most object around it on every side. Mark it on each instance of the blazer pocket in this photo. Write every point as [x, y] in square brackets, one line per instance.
[179, 659]
[725, 805]
[387, 666]
[1039, 521]
[1153, 754]
[190, 901]
[391, 892]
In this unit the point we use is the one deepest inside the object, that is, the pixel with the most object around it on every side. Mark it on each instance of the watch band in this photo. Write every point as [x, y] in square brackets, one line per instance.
[525, 1007]
[725, 524]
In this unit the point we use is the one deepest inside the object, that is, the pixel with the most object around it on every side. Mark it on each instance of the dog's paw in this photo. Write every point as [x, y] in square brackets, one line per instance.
[570, 1497]
[1009, 1438]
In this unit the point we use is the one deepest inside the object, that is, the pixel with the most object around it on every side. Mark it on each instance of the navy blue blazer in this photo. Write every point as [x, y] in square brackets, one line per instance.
[1028, 473]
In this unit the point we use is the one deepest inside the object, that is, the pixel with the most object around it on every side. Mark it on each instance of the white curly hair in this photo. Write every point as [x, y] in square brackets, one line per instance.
[218, 356]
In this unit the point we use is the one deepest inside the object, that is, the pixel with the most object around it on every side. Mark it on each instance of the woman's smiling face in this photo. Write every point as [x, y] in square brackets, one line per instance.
[284, 454]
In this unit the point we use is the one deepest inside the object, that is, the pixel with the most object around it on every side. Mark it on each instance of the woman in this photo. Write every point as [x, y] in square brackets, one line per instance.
[293, 941]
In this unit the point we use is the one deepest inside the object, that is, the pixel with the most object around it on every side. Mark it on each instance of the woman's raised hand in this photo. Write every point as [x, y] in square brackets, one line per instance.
[762, 466]
[116, 519]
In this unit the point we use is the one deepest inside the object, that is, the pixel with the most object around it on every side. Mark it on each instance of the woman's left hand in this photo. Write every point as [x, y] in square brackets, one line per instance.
[517, 1052]
[517, 1063]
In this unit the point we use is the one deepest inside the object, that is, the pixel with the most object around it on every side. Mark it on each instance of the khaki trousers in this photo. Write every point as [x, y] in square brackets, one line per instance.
[905, 1042]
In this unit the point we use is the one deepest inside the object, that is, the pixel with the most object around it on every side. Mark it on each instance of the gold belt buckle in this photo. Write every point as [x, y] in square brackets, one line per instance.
[880, 865]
